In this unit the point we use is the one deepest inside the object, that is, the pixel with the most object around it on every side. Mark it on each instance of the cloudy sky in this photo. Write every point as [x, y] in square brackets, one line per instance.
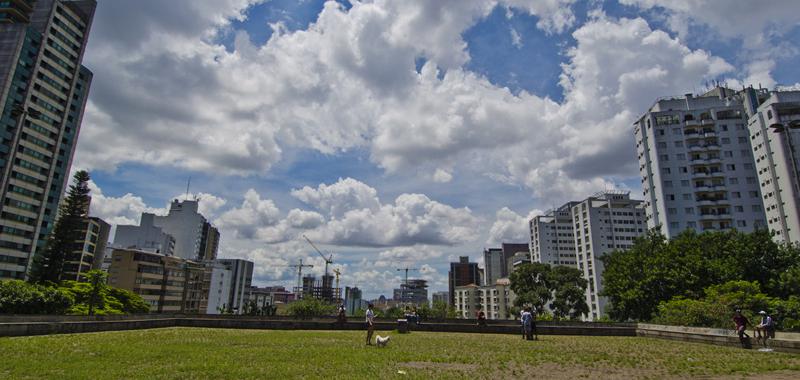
[395, 133]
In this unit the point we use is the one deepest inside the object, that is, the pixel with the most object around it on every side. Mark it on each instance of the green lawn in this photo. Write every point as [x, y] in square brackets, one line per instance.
[194, 353]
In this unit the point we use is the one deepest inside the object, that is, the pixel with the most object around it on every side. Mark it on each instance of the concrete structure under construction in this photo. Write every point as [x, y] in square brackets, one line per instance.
[604, 222]
[696, 164]
[553, 237]
[774, 128]
[168, 284]
[43, 93]
[494, 300]
[414, 292]
[462, 273]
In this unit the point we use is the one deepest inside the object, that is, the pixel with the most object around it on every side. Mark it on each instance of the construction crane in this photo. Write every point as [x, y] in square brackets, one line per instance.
[403, 291]
[300, 267]
[337, 272]
[328, 260]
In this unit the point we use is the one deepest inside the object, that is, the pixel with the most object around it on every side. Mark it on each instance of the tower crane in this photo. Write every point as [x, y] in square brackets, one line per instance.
[328, 261]
[403, 292]
[300, 267]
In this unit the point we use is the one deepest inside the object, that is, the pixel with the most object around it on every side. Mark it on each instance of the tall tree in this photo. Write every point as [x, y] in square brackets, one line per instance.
[49, 263]
[531, 284]
[569, 292]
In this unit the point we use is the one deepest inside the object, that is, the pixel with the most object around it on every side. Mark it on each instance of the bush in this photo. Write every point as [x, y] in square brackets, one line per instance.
[310, 307]
[104, 299]
[20, 297]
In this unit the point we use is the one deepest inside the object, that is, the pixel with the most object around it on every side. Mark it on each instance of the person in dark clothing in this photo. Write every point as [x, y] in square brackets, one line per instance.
[741, 322]
[481, 316]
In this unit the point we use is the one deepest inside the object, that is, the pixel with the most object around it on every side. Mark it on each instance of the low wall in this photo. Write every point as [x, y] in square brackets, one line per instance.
[43, 325]
[786, 342]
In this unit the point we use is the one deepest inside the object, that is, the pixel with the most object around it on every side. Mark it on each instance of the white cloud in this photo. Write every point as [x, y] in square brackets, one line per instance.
[516, 39]
[442, 176]
[336, 199]
[510, 227]
[254, 213]
[124, 210]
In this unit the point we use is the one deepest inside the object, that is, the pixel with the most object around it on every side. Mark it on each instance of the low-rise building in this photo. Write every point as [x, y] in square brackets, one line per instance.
[494, 300]
[168, 284]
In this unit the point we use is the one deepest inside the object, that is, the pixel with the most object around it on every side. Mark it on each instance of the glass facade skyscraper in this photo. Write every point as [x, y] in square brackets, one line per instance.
[43, 92]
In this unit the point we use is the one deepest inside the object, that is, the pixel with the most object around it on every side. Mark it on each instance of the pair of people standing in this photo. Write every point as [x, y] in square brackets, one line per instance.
[528, 324]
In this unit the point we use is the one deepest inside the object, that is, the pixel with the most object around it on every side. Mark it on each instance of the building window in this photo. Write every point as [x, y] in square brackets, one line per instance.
[672, 211]
[679, 144]
[674, 225]
[685, 183]
[730, 167]
[736, 194]
[681, 157]
[689, 210]
[741, 223]
[733, 181]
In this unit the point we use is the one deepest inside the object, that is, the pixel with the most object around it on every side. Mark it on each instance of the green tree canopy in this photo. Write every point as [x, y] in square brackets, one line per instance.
[564, 288]
[656, 270]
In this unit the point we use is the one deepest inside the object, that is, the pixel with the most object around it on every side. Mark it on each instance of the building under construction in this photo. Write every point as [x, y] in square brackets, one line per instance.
[321, 290]
[413, 292]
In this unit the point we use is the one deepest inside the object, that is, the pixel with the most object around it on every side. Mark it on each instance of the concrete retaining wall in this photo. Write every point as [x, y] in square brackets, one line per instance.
[786, 342]
[42, 325]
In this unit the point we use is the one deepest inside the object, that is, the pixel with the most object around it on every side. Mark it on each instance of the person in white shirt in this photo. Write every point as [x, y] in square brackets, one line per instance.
[370, 324]
[765, 329]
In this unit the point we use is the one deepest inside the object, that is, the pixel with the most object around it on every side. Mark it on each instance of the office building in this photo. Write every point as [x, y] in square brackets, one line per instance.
[145, 237]
[43, 92]
[462, 273]
[518, 259]
[553, 237]
[168, 284]
[604, 222]
[413, 292]
[440, 297]
[195, 238]
[774, 127]
[89, 249]
[696, 164]
[353, 300]
[509, 250]
[494, 300]
[494, 264]
[240, 279]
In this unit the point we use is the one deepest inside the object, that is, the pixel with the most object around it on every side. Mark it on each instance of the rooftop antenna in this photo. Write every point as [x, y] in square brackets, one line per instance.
[188, 182]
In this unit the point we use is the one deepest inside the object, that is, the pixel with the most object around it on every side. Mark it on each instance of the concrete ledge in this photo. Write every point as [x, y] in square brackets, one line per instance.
[785, 342]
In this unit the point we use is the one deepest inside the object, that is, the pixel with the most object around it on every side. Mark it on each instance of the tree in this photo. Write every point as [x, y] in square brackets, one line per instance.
[310, 307]
[20, 297]
[530, 283]
[569, 292]
[48, 264]
[98, 289]
[655, 270]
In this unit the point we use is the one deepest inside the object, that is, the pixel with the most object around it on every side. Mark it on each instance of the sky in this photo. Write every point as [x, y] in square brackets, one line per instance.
[395, 133]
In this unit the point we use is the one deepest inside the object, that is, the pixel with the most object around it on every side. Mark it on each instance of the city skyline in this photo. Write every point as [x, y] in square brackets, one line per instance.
[391, 138]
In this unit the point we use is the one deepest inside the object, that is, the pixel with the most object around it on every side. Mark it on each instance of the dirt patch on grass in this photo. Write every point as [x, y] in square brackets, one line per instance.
[776, 375]
[441, 366]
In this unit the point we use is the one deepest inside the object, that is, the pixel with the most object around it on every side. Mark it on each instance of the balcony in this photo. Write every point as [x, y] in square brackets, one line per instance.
[711, 201]
[703, 147]
[692, 123]
[707, 122]
[715, 215]
[707, 174]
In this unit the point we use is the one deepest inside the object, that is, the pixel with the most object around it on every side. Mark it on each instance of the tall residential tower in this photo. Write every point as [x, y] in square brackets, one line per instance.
[697, 166]
[43, 91]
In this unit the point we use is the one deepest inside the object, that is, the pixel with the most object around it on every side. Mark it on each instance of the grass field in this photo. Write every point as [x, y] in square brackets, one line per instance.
[193, 353]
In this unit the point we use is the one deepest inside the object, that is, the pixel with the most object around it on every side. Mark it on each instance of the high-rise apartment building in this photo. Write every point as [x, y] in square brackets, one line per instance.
[697, 165]
[603, 223]
[353, 300]
[553, 237]
[774, 127]
[493, 264]
[195, 238]
[462, 273]
[43, 91]
[89, 249]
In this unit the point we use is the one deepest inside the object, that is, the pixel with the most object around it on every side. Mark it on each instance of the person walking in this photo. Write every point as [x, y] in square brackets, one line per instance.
[481, 316]
[370, 316]
[527, 324]
[741, 322]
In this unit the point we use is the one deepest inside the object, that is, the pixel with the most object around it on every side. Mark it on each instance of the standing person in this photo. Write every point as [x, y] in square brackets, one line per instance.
[370, 315]
[481, 316]
[527, 324]
[741, 322]
[341, 317]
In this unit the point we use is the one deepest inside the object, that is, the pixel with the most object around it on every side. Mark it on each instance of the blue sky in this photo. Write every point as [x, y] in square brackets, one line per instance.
[343, 92]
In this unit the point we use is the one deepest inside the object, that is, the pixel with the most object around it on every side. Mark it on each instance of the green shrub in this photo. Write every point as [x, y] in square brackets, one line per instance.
[20, 297]
[310, 307]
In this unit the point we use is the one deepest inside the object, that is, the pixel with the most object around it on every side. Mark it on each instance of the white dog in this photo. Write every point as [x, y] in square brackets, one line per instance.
[382, 341]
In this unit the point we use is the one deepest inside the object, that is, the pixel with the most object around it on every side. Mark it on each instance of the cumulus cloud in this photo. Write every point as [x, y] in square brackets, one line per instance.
[124, 210]
[510, 227]
[336, 199]
[254, 213]
[442, 176]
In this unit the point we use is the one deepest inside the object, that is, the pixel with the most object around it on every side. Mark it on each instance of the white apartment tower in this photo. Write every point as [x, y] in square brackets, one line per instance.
[696, 164]
[602, 223]
[774, 128]
[553, 237]
[190, 230]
